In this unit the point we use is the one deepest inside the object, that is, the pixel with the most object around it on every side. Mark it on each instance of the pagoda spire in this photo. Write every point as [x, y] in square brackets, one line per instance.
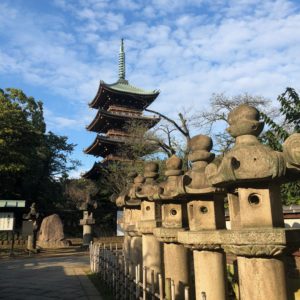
[122, 61]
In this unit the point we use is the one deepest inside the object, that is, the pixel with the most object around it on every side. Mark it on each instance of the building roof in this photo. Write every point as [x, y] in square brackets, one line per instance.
[124, 94]
[134, 96]
[104, 145]
[105, 120]
[12, 203]
[94, 172]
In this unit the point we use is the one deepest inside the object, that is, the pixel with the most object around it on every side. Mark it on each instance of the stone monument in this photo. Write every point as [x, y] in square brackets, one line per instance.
[51, 234]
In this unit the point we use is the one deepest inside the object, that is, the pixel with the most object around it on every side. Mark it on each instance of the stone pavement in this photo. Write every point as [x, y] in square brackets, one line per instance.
[47, 278]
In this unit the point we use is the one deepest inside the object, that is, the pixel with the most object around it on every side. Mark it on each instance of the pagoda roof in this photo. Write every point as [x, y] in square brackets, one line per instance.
[104, 145]
[106, 120]
[122, 93]
[94, 172]
[98, 167]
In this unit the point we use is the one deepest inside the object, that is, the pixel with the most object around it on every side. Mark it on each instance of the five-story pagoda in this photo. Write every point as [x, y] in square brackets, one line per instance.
[118, 104]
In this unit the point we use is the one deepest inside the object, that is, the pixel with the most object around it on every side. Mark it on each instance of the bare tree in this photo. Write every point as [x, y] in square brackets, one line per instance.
[79, 191]
[216, 116]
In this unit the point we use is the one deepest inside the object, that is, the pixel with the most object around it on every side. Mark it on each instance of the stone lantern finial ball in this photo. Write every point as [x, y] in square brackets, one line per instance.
[174, 163]
[244, 120]
[200, 142]
[151, 167]
[139, 179]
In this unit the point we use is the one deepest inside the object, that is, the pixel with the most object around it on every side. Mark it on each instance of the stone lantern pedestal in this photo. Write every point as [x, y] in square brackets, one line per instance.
[132, 238]
[152, 249]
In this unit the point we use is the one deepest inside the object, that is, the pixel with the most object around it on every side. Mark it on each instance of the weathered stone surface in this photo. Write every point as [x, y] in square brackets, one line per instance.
[210, 274]
[291, 152]
[256, 207]
[167, 235]
[51, 233]
[152, 255]
[266, 277]
[131, 217]
[255, 239]
[248, 160]
[149, 188]
[176, 263]
[200, 155]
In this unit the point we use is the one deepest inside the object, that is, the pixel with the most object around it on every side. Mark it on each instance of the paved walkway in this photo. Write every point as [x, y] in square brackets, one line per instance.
[47, 278]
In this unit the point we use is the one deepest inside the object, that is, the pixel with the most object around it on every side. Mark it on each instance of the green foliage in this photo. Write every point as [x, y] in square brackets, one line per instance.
[279, 132]
[31, 160]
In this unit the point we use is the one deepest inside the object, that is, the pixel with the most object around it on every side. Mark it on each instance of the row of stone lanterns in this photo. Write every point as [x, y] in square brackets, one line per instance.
[162, 221]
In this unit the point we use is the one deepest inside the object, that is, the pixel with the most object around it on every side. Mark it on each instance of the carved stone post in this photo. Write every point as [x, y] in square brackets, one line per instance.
[150, 219]
[206, 217]
[34, 217]
[87, 221]
[252, 173]
[174, 219]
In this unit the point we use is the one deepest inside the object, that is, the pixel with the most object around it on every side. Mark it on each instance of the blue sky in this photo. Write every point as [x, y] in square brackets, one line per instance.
[58, 50]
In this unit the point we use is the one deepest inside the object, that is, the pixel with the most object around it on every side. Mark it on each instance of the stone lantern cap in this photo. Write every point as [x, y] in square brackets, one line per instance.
[171, 188]
[195, 180]
[87, 219]
[149, 187]
[127, 197]
[248, 160]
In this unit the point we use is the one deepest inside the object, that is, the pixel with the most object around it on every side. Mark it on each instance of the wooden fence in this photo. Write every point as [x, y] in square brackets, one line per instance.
[126, 281]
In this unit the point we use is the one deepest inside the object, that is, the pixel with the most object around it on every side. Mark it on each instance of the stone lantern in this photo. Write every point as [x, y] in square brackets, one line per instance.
[174, 220]
[150, 219]
[131, 216]
[206, 218]
[86, 222]
[252, 174]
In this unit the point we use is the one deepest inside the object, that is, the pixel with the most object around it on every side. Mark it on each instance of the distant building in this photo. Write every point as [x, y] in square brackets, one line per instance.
[117, 104]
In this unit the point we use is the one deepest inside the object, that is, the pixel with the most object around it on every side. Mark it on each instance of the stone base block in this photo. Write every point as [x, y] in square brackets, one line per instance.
[54, 244]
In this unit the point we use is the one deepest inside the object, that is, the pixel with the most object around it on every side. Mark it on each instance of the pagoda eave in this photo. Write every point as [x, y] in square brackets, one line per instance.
[94, 172]
[104, 146]
[108, 94]
[105, 121]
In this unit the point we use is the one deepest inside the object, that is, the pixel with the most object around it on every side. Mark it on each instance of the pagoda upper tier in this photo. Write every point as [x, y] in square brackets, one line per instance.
[122, 94]
[106, 145]
[117, 118]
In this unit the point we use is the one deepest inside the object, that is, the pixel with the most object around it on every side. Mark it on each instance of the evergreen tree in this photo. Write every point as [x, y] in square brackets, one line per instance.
[33, 162]
[278, 132]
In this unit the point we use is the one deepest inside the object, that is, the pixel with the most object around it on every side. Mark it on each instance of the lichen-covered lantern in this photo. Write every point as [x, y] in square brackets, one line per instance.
[206, 218]
[87, 222]
[150, 219]
[174, 220]
[131, 216]
[252, 174]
